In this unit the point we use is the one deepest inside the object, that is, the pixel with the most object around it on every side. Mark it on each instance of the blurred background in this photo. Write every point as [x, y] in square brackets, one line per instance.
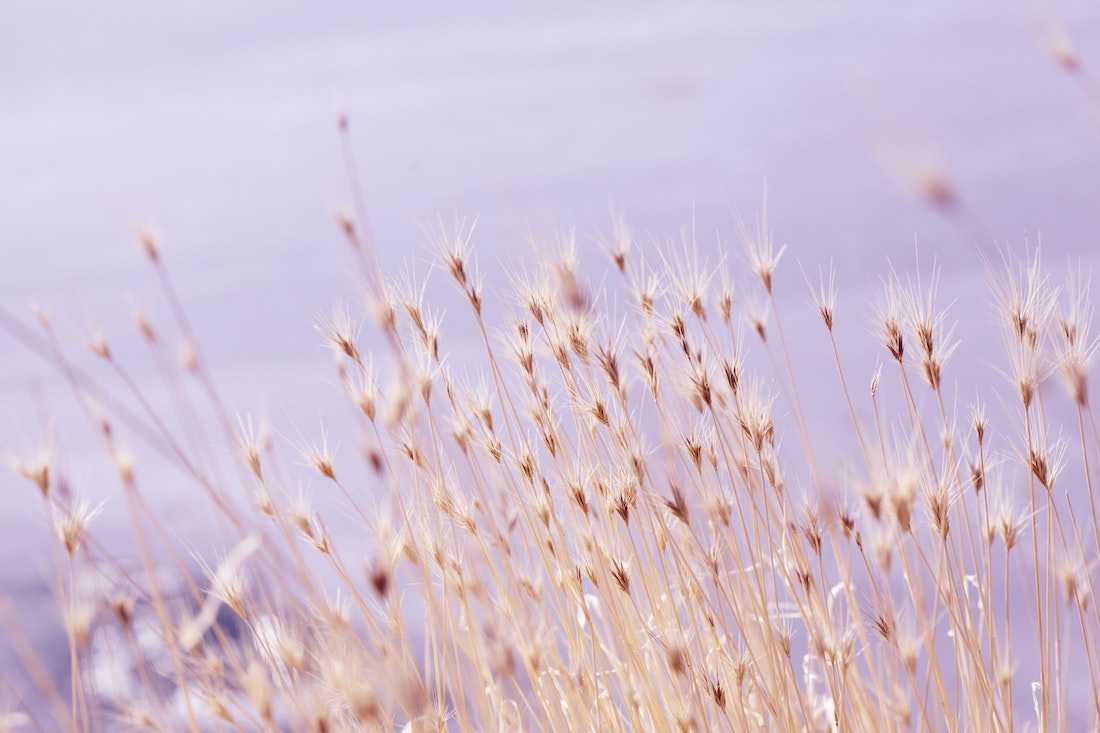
[215, 125]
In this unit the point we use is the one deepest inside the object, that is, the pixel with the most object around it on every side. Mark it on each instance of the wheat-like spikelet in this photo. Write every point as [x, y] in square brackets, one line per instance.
[613, 514]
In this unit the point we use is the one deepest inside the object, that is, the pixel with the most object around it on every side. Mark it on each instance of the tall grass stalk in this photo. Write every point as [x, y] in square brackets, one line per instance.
[595, 523]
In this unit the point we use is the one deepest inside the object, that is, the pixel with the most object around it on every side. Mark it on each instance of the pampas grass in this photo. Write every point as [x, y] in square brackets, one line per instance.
[615, 515]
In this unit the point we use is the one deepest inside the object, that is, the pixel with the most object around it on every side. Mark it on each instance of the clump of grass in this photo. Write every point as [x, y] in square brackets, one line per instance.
[611, 517]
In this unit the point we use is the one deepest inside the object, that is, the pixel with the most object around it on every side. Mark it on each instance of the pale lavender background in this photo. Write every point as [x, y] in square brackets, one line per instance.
[215, 122]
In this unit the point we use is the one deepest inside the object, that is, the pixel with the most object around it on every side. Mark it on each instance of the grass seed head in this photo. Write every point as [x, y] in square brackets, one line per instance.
[257, 687]
[72, 523]
[36, 470]
[760, 248]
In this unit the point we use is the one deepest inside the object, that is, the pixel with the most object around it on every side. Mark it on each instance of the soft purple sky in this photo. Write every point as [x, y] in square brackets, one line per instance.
[215, 124]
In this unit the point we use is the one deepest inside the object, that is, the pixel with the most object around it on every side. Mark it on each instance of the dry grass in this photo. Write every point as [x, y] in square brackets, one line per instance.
[611, 518]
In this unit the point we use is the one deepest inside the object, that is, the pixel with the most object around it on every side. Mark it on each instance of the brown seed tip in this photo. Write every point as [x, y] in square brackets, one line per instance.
[677, 659]
[620, 571]
[73, 523]
[1064, 54]
[97, 345]
[151, 244]
[346, 222]
[380, 578]
[41, 315]
[37, 471]
[189, 360]
[122, 606]
[934, 187]
[144, 326]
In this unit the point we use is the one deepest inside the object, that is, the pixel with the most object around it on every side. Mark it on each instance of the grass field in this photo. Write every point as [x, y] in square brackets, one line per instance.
[611, 517]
